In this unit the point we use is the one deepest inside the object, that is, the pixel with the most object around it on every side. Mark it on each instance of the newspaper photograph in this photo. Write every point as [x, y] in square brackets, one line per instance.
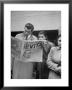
[35, 44]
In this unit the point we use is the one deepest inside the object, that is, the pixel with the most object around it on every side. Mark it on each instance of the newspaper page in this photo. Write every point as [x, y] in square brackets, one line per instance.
[16, 46]
[27, 50]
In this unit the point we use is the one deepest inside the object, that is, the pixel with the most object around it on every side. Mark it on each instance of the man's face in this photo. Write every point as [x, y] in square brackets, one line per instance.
[27, 31]
[42, 37]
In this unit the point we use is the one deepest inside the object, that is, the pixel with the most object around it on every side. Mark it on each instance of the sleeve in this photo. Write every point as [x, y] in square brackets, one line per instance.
[35, 38]
[17, 36]
[46, 46]
[52, 65]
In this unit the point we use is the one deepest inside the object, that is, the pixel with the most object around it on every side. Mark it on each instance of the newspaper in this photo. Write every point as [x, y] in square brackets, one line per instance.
[27, 50]
[16, 46]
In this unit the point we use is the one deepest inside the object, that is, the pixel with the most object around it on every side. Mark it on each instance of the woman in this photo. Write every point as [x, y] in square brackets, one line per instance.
[54, 61]
[42, 66]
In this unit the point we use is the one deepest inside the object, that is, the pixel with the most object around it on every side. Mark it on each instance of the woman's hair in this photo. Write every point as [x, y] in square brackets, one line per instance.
[56, 41]
[58, 36]
[29, 26]
[42, 32]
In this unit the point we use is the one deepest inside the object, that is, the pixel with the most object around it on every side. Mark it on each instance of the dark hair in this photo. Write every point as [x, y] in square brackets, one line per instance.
[42, 32]
[56, 41]
[58, 36]
[29, 26]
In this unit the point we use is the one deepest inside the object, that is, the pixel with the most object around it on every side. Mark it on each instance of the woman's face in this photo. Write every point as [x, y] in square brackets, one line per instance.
[42, 37]
[59, 41]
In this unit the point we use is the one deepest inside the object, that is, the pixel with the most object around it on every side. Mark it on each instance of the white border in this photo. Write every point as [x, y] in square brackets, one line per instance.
[64, 8]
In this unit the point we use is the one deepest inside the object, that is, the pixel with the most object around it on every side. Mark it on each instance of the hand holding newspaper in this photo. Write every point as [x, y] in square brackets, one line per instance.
[27, 50]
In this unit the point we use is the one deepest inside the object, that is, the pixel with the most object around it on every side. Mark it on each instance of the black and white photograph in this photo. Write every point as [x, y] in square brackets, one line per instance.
[36, 44]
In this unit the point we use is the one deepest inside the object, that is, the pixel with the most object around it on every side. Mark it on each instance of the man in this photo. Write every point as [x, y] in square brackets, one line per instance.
[43, 69]
[28, 33]
[23, 70]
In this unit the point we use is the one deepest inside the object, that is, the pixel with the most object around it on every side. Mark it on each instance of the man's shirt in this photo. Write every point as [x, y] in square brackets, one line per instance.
[22, 37]
[22, 70]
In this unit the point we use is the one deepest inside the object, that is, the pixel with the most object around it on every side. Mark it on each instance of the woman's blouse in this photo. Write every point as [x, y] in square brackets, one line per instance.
[54, 58]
